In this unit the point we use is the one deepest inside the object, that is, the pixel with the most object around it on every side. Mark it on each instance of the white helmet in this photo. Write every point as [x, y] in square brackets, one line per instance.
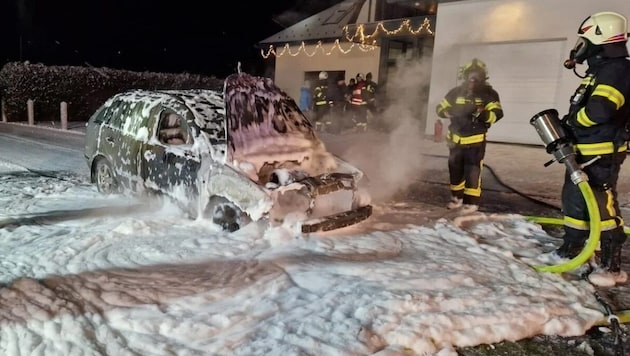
[604, 27]
[599, 29]
[323, 75]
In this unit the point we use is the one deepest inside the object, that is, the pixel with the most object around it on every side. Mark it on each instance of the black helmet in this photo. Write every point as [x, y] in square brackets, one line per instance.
[475, 69]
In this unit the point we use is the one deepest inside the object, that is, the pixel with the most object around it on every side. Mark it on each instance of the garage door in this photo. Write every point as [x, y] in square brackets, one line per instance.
[526, 75]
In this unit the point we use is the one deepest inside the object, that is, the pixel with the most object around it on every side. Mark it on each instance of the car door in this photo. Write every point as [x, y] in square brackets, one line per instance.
[134, 126]
[115, 145]
[169, 164]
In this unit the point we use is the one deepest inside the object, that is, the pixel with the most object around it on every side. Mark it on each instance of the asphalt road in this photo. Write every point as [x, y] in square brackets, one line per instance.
[42, 150]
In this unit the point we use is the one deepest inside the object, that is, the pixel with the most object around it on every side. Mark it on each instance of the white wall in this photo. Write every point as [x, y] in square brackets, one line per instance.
[487, 23]
[290, 69]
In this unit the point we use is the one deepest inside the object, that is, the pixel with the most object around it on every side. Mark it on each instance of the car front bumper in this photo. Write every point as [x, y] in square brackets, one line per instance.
[337, 221]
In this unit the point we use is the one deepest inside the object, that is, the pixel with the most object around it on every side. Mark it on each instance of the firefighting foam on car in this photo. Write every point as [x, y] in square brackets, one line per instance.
[244, 154]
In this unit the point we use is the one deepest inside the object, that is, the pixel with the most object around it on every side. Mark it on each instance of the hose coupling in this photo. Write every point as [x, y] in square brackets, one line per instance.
[578, 177]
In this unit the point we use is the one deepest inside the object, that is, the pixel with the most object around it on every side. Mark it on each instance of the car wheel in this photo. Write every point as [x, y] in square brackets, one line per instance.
[103, 176]
[225, 214]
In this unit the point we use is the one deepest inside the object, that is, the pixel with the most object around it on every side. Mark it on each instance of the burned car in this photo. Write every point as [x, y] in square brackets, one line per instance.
[242, 154]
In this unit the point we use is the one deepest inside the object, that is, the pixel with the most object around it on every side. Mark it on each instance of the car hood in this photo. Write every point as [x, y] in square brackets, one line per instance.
[265, 126]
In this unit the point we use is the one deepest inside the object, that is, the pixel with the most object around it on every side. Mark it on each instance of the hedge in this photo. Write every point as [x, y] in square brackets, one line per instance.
[83, 88]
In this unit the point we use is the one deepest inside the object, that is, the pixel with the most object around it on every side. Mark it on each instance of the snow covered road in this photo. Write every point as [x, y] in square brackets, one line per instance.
[85, 274]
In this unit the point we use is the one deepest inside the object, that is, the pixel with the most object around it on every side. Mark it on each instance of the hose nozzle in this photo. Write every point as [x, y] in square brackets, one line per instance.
[569, 64]
[550, 130]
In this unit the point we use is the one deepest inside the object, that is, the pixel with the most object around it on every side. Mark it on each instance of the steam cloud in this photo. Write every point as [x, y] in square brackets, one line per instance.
[392, 161]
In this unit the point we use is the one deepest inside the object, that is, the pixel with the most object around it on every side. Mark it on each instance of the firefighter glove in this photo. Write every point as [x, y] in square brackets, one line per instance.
[481, 115]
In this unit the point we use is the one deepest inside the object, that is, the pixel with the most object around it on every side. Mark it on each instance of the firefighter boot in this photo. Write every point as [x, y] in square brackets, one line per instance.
[609, 272]
[455, 203]
[611, 257]
[570, 249]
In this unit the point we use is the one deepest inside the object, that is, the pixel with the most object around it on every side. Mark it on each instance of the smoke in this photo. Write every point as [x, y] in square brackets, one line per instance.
[303, 9]
[393, 160]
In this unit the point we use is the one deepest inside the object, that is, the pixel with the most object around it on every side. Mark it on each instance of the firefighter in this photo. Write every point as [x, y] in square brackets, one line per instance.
[472, 108]
[337, 101]
[597, 122]
[371, 88]
[321, 107]
[358, 103]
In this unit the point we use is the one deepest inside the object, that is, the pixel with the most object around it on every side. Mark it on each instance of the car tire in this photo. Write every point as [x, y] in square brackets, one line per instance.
[104, 177]
[225, 214]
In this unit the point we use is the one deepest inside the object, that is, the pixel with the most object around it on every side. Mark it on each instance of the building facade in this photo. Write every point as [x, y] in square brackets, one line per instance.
[414, 50]
[381, 37]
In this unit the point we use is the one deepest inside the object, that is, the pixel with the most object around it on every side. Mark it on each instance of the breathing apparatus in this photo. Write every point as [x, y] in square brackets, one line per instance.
[596, 33]
[549, 127]
[475, 65]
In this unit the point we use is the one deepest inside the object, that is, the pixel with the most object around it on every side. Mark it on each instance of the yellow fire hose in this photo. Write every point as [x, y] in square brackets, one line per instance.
[591, 244]
[552, 132]
[593, 238]
[623, 317]
[559, 221]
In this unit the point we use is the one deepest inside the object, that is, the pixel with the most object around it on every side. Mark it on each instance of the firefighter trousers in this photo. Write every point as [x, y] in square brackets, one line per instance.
[603, 175]
[464, 168]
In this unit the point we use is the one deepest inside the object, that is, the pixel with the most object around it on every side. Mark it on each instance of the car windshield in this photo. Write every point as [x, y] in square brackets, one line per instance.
[265, 125]
[257, 107]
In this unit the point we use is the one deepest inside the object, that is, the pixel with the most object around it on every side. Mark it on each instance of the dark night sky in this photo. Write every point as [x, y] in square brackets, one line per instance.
[153, 35]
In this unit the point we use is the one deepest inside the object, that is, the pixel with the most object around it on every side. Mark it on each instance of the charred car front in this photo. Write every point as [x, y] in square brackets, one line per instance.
[241, 154]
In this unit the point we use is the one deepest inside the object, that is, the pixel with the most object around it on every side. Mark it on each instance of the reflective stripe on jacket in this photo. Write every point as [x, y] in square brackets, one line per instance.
[600, 107]
[465, 127]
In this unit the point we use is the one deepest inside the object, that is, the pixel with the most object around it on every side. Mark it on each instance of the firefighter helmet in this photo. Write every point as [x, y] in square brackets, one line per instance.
[475, 66]
[599, 29]
[323, 75]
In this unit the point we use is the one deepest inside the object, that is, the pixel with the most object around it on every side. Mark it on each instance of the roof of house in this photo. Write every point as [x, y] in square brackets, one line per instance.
[327, 24]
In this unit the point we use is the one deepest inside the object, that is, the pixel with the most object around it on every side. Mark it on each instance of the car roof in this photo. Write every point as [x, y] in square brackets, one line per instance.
[206, 105]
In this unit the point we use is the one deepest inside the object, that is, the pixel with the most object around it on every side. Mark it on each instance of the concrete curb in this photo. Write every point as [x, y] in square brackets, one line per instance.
[75, 127]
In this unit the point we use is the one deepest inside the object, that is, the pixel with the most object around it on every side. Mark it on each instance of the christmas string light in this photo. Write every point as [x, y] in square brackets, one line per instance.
[363, 45]
[286, 49]
[425, 27]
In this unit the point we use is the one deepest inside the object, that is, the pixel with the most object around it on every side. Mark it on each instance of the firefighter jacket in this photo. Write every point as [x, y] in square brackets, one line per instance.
[320, 93]
[471, 114]
[599, 111]
[370, 89]
[358, 93]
